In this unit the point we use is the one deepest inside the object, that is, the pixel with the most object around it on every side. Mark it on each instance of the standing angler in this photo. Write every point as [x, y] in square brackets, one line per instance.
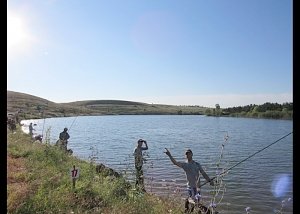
[192, 171]
[138, 162]
[31, 129]
[63, 139]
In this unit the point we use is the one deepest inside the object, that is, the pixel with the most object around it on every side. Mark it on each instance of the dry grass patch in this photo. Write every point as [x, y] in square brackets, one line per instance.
[17, 188]
[15, 167]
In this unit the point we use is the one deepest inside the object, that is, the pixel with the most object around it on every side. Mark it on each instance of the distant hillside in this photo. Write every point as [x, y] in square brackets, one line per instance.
[35, 107]
[104, 102]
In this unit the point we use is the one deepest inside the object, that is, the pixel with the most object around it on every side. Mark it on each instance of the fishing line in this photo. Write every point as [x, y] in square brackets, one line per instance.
[43, 114]
[72, 123]
[43, 126]
[230, 168]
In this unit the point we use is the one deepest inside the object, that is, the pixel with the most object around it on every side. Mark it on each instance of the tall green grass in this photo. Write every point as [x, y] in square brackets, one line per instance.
[39, 181]
[43, 184]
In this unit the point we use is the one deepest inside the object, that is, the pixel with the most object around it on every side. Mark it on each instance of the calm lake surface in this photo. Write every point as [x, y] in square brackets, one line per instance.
[263, 182]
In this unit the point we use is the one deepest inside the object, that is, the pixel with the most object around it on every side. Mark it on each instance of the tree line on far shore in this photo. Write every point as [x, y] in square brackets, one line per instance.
[266, 110]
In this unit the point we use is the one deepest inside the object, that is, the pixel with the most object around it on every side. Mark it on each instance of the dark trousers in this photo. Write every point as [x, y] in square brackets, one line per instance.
[139, 183]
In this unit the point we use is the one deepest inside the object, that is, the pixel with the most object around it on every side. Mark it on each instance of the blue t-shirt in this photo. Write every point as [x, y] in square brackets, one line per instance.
[192, 172]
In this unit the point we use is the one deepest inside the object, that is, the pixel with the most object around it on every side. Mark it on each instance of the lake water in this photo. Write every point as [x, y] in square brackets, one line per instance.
[263, 182]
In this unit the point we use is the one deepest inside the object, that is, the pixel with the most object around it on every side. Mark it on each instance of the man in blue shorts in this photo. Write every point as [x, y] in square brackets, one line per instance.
[192, 171]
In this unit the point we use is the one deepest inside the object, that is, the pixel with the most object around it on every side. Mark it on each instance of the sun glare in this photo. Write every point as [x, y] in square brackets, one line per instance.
[16, 33]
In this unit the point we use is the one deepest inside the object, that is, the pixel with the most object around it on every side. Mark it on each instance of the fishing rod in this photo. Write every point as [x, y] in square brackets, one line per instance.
[230, 168]
[72, 123]
[42, 114]
[43, 122]
[75, 119]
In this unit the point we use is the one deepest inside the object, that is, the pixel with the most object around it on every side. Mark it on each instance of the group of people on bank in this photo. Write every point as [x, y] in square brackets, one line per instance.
[191, 168]
[62, 141]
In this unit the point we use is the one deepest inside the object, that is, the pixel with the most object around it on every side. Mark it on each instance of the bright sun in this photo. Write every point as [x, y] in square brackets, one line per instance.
[16, 33]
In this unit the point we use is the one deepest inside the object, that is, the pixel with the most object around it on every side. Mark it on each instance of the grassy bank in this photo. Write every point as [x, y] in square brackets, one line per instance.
[39, 181]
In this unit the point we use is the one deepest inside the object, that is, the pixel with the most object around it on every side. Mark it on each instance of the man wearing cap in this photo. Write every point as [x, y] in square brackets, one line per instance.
[63, 139]
[191, 169]
[138, 162]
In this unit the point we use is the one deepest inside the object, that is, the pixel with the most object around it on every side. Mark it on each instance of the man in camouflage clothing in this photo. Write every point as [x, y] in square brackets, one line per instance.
[63, 139]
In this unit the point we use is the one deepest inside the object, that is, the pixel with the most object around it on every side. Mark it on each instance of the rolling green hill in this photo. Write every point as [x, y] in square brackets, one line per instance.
[30, 106]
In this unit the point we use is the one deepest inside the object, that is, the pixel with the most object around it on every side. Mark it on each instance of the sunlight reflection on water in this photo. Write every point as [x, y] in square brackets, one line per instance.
[281, 185]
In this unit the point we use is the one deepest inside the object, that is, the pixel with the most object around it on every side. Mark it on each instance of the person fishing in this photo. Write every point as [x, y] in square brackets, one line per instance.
[138, 162]
[63, 139]
[192, 171]
[31, 129]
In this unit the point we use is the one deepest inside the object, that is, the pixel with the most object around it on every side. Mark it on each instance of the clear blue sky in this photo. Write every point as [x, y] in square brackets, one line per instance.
[195, 52]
